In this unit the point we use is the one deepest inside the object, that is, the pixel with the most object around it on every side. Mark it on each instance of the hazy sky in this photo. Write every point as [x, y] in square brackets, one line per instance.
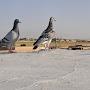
[73, 17]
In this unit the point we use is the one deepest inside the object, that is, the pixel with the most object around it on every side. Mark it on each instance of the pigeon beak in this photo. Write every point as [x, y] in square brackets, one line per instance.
[54, 19]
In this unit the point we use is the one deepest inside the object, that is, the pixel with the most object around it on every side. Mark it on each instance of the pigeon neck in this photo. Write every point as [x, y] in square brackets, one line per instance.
[15, 27]
[50, 25]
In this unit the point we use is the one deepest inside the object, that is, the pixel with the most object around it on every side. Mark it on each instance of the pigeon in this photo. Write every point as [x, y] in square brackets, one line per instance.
[11, 37]
[46, 36]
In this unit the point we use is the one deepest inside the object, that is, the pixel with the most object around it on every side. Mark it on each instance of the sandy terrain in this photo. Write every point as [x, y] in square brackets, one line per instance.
[26, 49]
[45, 70]
[23, 49]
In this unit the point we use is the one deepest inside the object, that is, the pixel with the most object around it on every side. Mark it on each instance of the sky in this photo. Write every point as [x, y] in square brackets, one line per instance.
[72, 17]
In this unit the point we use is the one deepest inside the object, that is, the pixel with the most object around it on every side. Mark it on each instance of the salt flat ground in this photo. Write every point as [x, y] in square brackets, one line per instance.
[45, 70]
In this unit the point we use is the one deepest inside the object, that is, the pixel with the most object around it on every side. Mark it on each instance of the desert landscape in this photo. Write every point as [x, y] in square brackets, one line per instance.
[45, 45]
[27, 44]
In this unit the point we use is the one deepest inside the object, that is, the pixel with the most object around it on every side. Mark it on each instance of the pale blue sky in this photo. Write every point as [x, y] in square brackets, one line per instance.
[73, 17]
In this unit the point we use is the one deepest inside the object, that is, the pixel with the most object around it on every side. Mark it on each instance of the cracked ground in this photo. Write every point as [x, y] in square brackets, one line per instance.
[47, 70]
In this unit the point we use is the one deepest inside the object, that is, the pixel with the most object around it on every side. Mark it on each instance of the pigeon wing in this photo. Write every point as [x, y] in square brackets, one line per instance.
[10, 38]
[41, 39]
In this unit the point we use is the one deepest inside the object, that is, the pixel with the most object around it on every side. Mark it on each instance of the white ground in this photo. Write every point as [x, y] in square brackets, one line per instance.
[46, 70]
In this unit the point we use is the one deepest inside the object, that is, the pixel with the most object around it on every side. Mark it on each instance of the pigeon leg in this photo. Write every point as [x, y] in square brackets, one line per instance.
[46, 46]
[11, 50]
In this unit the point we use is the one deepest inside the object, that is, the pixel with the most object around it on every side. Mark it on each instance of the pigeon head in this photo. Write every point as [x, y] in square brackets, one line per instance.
[15, 26]
[52, 19]
[17, 21]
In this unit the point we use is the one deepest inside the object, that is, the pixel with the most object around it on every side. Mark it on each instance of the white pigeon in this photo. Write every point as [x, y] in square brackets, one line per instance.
[46, 36]
[11, 37]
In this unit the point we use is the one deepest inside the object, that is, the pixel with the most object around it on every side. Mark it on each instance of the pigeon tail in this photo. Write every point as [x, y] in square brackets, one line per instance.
[34, 43]
[0, 43]
[35, 47]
